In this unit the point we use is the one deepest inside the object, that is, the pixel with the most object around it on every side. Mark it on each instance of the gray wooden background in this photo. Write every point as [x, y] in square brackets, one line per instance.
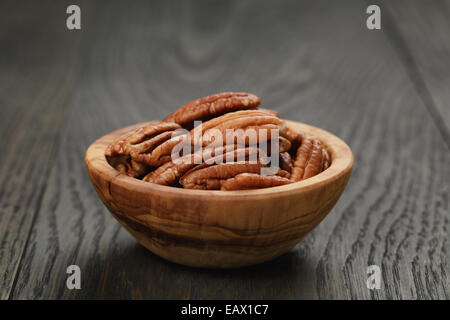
[385, 92]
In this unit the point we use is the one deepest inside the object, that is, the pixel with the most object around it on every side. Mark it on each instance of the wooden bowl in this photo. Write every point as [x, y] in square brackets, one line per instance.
[220, 229]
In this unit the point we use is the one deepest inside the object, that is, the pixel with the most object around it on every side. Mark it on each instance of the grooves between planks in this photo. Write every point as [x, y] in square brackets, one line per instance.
[406, 49]
[34, 84]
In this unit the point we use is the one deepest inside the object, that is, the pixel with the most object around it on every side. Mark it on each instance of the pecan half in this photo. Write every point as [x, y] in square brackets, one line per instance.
[295, 137]
[210, 175]
[244, 181]
[284, 144]
[270, 111]
[245, 124]
[210, 106]
[169, 173]
[244, 120]
[135, 152]
[310, 160]
[126, 165]
[286, 162]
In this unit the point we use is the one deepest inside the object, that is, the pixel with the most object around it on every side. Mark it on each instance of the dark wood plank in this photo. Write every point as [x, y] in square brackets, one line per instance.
[313, 62]
[421, 31]
[37, 67]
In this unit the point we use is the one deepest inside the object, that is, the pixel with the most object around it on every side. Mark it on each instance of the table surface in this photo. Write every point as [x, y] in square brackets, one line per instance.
[385, 92]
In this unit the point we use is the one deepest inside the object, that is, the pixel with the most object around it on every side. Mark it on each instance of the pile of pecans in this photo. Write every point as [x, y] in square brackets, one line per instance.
[219, 142]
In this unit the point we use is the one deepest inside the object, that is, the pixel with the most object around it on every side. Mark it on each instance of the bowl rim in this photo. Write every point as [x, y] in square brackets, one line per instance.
[341, 163]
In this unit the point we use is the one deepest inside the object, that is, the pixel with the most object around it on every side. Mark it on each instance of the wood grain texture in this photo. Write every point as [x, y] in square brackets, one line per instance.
[421, 31]
[314, 62]
[35, 80]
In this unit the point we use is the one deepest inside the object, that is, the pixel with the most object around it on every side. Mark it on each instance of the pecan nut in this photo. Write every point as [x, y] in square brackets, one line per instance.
[245, 124]
[214, 105]
[245, 181]
[240, 121]
[135, 152]
[286, 162]
[295, 137]
[170, 172]
[310, 160]
[126, 165]
[210, 175]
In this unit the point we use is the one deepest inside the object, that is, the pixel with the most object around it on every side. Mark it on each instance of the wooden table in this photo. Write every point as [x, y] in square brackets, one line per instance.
[385, 92]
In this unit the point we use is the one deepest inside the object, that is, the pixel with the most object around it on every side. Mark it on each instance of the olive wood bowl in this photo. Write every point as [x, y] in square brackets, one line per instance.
[220, 229]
